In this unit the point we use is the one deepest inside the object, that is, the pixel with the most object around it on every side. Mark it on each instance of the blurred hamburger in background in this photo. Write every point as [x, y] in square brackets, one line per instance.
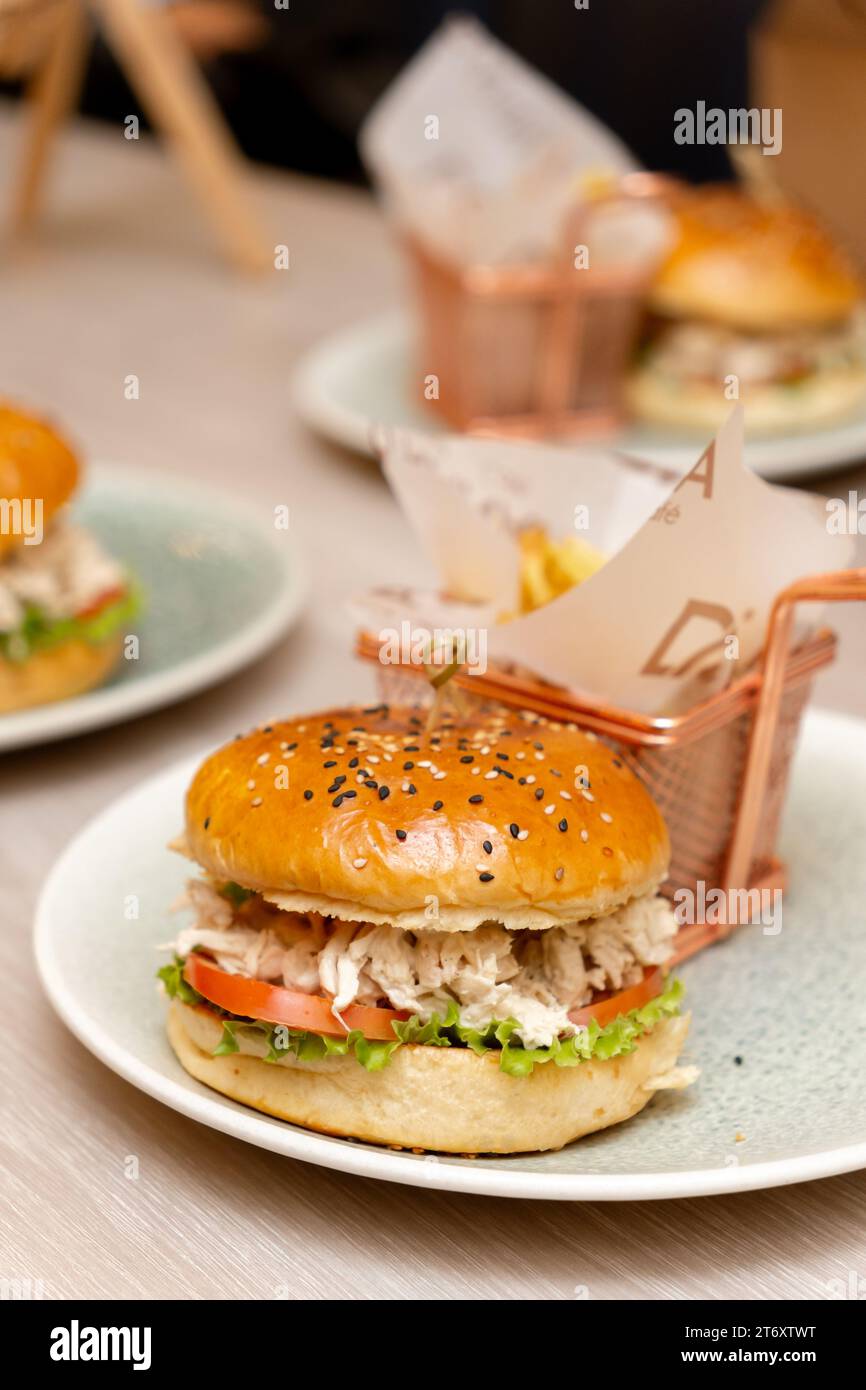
[756, 292]
[63, 599]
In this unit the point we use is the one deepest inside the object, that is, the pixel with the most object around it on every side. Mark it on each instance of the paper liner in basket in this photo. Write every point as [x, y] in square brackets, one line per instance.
[478, 155]
[680, 607]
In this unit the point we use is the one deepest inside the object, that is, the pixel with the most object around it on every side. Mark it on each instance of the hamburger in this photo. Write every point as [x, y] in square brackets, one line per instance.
[63, 599]
[447, 940]
[759, 293]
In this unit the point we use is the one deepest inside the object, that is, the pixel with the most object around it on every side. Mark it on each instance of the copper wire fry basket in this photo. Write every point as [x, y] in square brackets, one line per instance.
[536, 349]
[719, 772]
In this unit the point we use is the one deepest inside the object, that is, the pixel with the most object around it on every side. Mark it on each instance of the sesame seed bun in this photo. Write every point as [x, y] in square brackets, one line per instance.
[753, 267]
[57, 673]
[443, 1099]
[448, 829]
[36, 464]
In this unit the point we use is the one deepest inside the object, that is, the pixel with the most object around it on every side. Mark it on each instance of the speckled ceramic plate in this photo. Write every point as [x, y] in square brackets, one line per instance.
[361, 377]
[220, 585]
[788, 1006]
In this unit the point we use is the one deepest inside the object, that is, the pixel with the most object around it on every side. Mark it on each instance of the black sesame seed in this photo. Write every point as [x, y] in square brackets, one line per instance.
[503, 756]
[353, 762]
[334, 787]
[739, 1061]
[346, 795]
[487, 847]
[401, 834]
[384, 793]
[515, 829]
[476, 800]
[332, 763]
[521, 781]
[503, 772]
[268, 729]
[616, 762]
[291, 748]
[371, 784]
[539, 793]
[485, 877]
[437, 805]
[407, 767]
[338, 801]
[411, 748]
[308, 795]
[352, 742]
[539, 746]
[468, 758]
[554, 773]
[411, 789]
[207, 822]
[563, 824]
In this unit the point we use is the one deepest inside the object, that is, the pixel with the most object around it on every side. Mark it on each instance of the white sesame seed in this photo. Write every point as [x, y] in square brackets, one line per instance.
[606, 817]
[476, 771]
[539, 757]
[256, 801]
[584, 835]
[262, 759]
[587, 796]
[486, 748]
[489, 776]
[373, 759]
[520, 756]
[523, 834]
[426, 763]
[388, 757]
[566, 796]
[549, 810]
[358, 863]
[405, 787]
[530, 779]
[437, 776]
[250, 785]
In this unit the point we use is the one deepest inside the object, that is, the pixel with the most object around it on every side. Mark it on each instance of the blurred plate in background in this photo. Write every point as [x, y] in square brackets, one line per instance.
[220, 586]
[361, 377]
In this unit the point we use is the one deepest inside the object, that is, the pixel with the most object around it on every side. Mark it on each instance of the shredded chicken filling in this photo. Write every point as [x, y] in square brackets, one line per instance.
[535, 977]
[61, 576]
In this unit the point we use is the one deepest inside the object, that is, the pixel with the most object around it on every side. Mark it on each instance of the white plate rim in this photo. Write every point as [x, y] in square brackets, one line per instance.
[101, 708]
[780, 458]
[210, 1109]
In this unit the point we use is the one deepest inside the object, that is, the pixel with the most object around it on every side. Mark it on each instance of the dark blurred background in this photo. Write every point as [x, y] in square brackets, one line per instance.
[296, 83]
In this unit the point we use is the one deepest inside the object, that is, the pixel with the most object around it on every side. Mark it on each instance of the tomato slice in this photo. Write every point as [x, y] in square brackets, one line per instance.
[101, 601]
[274, 1004]
[609, 1006]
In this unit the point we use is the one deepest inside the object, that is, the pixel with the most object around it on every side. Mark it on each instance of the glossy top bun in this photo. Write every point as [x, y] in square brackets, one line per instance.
[36, 464]
[362, 814]
[753, 267]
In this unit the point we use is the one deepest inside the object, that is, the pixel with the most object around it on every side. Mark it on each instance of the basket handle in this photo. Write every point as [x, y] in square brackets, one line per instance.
[840, 586]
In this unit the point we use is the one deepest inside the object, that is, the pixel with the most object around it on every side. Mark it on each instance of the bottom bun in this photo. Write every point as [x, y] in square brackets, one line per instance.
[57, 673]
[662, 399]
[447, 1100]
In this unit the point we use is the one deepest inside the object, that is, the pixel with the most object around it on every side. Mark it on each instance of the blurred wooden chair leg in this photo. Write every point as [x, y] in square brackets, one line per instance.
[53, 92]
[180, 104]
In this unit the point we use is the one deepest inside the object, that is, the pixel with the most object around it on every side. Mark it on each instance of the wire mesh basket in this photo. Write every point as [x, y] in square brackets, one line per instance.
[535, 349]
[719, 772]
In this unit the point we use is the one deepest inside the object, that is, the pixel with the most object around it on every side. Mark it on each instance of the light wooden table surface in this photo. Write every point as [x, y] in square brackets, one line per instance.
[122, 279]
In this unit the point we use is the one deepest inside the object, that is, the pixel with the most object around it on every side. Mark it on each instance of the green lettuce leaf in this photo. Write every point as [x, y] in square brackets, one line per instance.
[176, 987]
[593, 1043]
[38, 630]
